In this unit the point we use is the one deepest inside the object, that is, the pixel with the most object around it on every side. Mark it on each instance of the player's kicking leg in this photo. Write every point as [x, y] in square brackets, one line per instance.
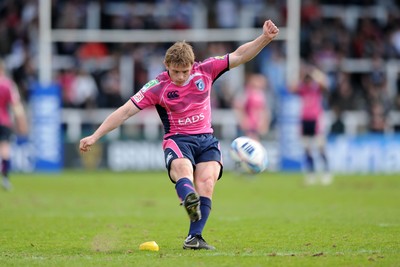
[192, 206]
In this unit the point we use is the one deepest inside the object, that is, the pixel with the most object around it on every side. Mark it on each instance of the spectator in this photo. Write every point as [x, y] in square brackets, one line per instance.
[66, 79]
[367, 38]
[92, 51]
[338, 127]
[227, 14]
[397, 102]
[377, 118]
[343, 96]
[84, 90]
[375, 84]
[397, 98]
[111, 89]
[395, 40]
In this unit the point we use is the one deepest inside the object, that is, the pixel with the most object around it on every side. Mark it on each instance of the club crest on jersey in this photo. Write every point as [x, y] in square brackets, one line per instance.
[200, 84]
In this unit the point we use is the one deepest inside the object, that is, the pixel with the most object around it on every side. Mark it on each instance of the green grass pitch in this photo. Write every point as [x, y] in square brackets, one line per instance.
[99, 218]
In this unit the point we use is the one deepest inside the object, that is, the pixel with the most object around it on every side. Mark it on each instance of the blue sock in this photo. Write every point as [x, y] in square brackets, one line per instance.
[325, 160]
[183, 187]
[5, 167]
[196, 228]
[309, 162]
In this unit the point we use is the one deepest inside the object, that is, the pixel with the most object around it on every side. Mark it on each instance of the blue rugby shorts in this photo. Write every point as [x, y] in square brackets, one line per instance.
[5, 133]
[197, 148]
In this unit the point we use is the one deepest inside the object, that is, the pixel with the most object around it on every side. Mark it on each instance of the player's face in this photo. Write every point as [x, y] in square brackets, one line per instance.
[179, 75]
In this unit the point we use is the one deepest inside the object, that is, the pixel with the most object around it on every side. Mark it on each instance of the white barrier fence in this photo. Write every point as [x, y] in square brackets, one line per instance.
[350, 153]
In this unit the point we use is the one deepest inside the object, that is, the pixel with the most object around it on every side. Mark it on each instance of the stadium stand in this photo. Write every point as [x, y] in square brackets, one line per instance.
[356, 42]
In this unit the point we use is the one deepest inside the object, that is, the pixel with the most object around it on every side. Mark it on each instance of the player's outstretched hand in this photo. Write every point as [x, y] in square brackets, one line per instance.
[270, 30]
[86, 143]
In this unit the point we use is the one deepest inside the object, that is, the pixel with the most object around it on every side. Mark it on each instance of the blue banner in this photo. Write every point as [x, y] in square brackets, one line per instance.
[290, 147]
[369, 153]
[46, 136]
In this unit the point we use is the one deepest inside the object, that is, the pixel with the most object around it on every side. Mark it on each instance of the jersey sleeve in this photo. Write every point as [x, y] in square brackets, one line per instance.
[148, 95]
[216, 66]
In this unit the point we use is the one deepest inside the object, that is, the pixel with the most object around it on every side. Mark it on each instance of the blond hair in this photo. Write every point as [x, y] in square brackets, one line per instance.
[180, 54]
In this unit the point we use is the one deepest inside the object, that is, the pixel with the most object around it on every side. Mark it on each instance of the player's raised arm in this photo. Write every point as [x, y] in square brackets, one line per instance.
[248, 51]
[114, 120]
[320, 77]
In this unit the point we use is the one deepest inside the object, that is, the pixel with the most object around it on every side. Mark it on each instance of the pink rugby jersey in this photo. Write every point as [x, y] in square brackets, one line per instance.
[7, 97]
[184, 109]
[311, 95]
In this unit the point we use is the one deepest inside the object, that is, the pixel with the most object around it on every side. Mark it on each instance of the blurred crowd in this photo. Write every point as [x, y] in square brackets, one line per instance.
[329, 36]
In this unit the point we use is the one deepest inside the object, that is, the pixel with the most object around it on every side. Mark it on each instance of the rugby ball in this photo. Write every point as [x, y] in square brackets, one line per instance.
[249, 155]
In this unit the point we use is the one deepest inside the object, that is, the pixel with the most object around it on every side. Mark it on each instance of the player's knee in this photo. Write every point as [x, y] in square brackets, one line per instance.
[181, 168]
[205, 185]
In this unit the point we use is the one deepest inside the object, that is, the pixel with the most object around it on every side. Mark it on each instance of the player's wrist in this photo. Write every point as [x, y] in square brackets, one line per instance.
[265, 39]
